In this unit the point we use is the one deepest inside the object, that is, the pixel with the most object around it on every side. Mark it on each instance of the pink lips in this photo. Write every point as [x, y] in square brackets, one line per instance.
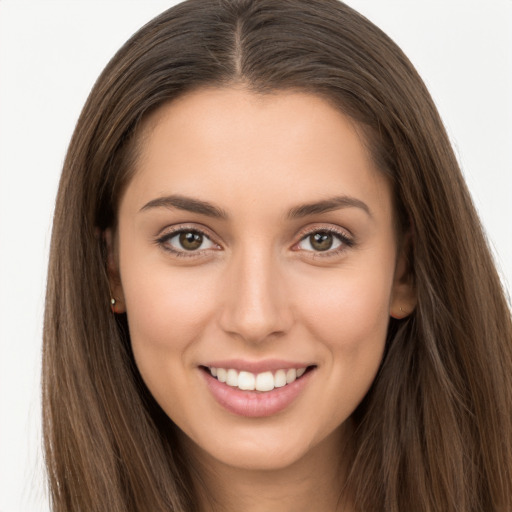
[256, 404]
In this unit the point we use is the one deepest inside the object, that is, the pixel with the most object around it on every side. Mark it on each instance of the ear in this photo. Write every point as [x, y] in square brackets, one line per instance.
[404, 297]
[117, 302]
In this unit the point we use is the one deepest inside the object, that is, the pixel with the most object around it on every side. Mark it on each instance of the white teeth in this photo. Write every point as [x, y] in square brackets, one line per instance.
[291, 375]
[280, 379]
[265, 381]
[246, 381]
[221, 374]
[232, 378]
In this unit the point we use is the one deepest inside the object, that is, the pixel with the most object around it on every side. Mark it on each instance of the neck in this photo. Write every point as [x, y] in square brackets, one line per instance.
[314, 482]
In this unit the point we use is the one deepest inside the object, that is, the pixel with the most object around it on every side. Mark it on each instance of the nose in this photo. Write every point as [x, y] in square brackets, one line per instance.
[255, 306]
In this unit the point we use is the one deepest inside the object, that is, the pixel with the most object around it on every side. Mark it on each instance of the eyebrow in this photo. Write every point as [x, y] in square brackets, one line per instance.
[188, 204]
[205, 208]
[328, 205]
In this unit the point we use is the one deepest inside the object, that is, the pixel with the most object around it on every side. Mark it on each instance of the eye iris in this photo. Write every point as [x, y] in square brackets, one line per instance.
[321, 241]
[191, 241]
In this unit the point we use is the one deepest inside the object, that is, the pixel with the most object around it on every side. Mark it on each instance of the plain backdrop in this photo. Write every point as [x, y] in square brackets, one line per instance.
[50, 55]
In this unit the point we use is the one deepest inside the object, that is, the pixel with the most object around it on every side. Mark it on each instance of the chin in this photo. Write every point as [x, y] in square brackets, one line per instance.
[264, 449]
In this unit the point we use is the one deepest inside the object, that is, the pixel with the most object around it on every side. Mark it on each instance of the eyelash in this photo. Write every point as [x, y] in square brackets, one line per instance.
[345, 240]
[163, 242]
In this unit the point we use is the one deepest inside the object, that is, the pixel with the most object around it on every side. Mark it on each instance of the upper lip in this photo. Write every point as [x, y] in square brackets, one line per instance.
[264, 365]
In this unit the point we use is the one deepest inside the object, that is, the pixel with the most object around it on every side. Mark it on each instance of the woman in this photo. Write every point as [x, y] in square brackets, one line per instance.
[268, 287]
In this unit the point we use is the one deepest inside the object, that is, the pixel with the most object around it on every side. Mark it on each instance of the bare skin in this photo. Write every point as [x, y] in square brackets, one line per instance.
[256, 235]
[294, 488]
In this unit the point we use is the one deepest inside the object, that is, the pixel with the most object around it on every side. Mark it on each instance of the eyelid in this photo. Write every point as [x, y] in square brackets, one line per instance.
[344, 235]
[170, 232]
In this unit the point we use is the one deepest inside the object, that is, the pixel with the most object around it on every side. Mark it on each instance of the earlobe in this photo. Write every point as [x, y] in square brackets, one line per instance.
[116, 299]
[404, 297]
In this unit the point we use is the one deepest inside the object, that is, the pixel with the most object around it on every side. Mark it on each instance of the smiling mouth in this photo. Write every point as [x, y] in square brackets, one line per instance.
[263, 382]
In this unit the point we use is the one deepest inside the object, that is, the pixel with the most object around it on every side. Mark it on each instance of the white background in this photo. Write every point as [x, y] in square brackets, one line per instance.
[50, 55]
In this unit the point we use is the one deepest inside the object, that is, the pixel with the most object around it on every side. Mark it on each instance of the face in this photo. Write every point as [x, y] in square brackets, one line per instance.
[258, 267]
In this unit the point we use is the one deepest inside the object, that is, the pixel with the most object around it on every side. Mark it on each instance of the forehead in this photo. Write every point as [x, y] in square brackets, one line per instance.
[229, 143]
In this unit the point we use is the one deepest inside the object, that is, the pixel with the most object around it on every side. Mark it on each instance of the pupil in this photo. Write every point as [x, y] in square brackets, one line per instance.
[321, 241]
[191, 241]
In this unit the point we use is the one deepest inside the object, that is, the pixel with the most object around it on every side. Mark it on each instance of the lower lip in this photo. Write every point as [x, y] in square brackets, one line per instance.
[256, 404]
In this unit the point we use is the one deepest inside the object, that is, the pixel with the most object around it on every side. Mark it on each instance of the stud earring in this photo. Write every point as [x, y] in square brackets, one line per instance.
[399, 316]
[113, 304]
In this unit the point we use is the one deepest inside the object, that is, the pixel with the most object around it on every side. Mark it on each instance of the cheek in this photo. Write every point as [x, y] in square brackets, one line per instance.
[167, 312]
[349, 319]
[166, 306]
[350, 310]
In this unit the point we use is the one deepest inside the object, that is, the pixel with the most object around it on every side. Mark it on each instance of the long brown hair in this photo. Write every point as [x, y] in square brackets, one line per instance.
[435, 430]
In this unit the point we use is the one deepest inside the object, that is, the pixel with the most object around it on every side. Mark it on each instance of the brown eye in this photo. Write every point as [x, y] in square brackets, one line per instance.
[321, 241]
[324, 241]
[186, 240]
[190, 240]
